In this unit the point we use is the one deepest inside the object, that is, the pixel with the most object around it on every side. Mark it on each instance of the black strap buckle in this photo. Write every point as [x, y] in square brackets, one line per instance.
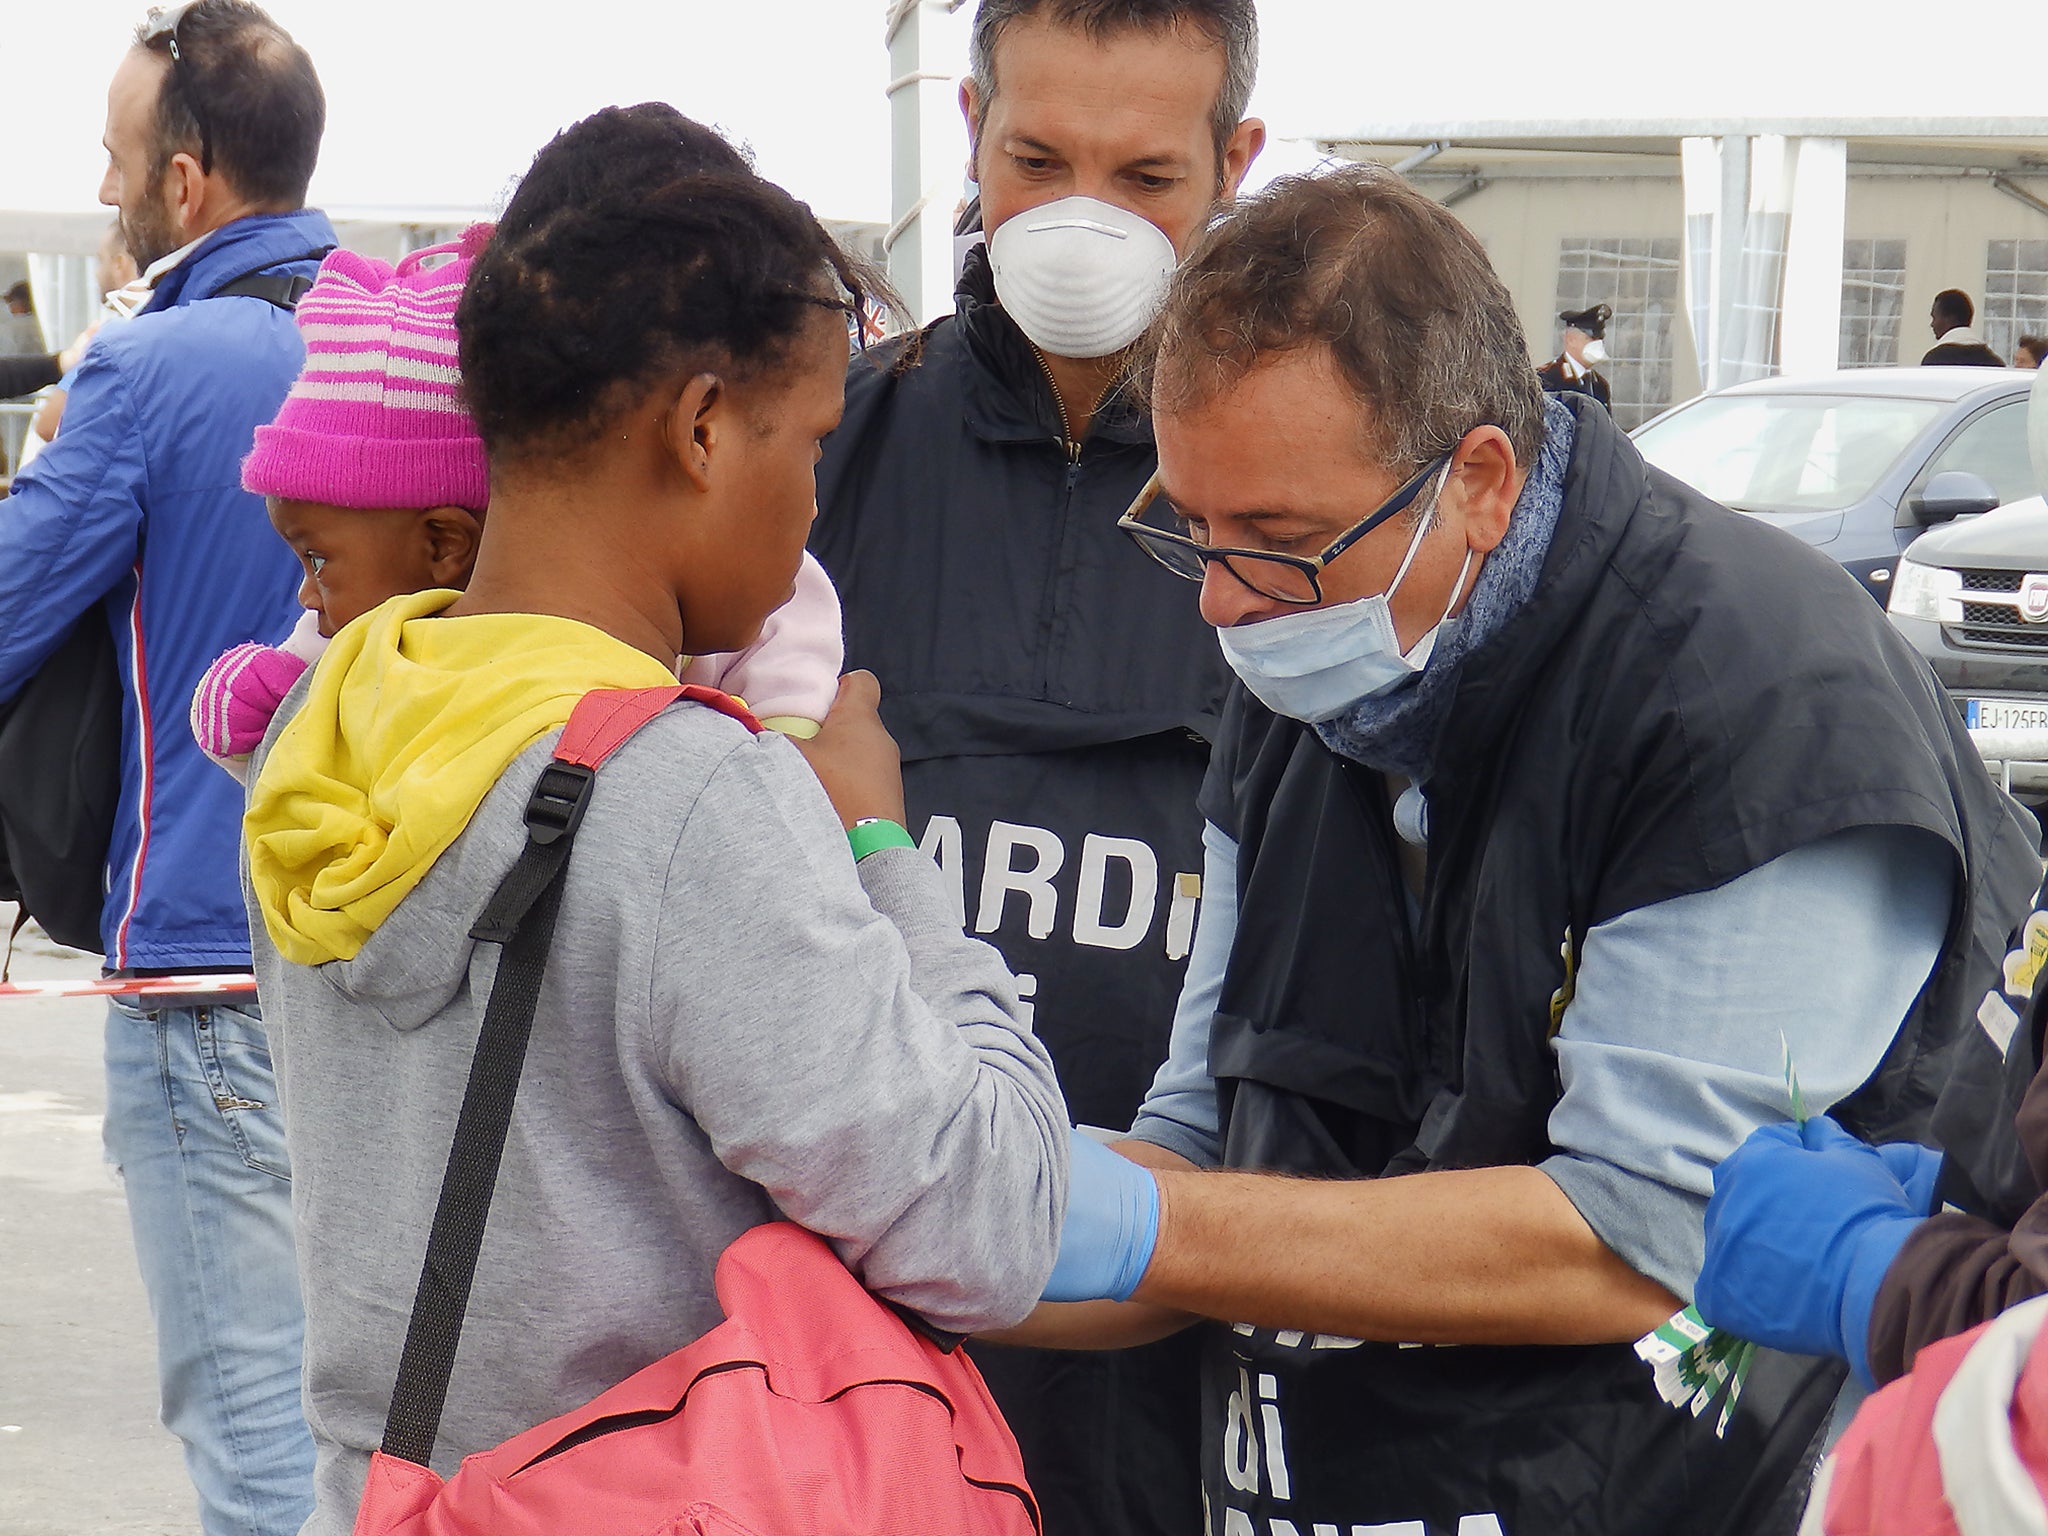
[553, 813]
[560, 797]
[275, 288]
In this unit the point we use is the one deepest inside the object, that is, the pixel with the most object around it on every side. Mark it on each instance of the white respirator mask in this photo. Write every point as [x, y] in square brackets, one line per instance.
[1082, 278]
[1594, 351]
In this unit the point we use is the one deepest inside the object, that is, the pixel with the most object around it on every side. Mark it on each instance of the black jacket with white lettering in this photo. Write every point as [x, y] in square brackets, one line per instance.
[1688, 695]
[1052, 691]
[1048, 684]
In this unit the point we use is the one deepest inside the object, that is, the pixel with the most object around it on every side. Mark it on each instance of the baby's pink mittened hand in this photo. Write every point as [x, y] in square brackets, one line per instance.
[239, 696]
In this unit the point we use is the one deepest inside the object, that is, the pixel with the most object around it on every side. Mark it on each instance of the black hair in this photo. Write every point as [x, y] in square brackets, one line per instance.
[639, 247]
[1954, 306]
[644, 146]
[19, 294]
[241, 94]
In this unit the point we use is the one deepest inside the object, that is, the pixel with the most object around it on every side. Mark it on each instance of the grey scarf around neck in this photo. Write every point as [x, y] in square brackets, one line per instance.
[1397, 732]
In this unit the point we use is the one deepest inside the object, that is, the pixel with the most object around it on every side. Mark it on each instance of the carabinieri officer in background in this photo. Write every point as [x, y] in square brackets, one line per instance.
[1555, 805]
[1575, 370]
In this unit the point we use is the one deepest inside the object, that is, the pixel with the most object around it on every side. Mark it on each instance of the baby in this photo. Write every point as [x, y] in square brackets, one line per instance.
[375, 476]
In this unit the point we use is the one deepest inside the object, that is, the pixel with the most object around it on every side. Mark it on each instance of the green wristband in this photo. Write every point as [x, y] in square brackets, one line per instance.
[871, 834]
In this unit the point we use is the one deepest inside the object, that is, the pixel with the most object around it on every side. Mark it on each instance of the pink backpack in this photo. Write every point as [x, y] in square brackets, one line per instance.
[813, 1410]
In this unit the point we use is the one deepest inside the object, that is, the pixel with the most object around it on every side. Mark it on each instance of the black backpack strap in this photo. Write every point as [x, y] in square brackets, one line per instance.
[277, 288]
[520, 916]
[271, 287]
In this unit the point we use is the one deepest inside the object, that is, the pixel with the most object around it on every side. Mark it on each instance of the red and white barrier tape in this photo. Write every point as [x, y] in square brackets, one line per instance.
[226, 984]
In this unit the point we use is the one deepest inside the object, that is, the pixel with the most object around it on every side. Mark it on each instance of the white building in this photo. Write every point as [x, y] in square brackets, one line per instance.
[1734, 248]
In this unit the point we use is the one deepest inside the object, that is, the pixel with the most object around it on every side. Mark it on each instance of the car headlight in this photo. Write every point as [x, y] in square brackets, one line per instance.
[1918, 590]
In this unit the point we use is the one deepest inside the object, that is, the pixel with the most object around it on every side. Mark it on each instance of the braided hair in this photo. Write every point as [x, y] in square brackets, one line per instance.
[639, 247]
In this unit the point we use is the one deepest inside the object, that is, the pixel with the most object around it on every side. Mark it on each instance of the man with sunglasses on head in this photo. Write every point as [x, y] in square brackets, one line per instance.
[1555, 811]
[134, 518]
[1052, 701]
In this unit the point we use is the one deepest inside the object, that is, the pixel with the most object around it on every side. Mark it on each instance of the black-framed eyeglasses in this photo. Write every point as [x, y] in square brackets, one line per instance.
[1295, 579]
[163, 21]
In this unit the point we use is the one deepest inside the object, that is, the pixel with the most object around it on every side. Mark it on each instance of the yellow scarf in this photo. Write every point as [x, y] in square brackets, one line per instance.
[410, 721]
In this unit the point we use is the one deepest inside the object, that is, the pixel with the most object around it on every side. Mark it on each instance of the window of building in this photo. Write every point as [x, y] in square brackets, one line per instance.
[2015, 293]
[1639, 279]
[1873, 302]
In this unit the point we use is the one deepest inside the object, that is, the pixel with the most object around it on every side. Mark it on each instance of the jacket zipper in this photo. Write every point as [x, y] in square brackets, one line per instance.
[1070, 444]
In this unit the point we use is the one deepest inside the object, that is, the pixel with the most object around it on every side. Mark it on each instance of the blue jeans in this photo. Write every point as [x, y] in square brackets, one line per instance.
[193, 1126]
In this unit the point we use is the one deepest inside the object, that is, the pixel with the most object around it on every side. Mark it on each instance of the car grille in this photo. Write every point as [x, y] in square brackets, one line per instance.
[2002, 639]
[1995, 625]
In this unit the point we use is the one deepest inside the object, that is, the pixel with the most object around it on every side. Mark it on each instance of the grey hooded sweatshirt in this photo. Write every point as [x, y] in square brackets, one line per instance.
[738, 1024]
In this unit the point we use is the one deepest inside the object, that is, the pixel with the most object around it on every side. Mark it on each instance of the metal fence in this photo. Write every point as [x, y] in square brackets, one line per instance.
[2003, 750]
[15, 415]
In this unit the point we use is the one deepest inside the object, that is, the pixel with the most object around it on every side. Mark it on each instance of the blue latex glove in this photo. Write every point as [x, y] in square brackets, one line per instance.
[1803, 1224]
[1111, 1228]
[1918, 1168]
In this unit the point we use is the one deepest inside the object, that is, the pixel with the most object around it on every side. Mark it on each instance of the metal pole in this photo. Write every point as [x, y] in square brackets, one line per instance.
[1422, 156]
[2014, 190]
[1699, 159]
[1810, 319]
[1471, 186]
[1731, 225]
[927, 56]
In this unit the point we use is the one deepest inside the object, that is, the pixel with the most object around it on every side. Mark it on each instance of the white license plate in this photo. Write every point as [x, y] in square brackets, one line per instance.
[2005, 714]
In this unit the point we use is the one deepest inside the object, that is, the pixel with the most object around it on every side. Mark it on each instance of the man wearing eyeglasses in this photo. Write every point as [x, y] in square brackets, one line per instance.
[1558, 810]
[134, 518]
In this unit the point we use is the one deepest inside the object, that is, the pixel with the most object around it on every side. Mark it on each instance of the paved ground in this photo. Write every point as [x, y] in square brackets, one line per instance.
[80, 1448]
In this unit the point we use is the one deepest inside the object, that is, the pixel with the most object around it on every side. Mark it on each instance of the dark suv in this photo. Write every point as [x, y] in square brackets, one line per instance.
[1973, 598]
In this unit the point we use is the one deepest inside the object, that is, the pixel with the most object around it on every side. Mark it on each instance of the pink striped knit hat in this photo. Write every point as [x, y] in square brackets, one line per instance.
[376, 418]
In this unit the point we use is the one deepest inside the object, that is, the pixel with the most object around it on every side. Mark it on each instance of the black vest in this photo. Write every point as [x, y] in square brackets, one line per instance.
[1689, 695]
[1053, 692]
[1987, 1170]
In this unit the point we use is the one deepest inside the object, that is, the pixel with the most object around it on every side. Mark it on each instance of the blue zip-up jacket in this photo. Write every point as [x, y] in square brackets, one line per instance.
[138, 509]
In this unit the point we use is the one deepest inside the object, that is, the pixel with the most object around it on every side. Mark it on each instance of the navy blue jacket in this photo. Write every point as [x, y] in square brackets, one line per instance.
[137, 509]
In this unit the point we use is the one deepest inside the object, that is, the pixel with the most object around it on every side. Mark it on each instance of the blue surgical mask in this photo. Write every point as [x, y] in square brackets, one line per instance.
[1314, 665]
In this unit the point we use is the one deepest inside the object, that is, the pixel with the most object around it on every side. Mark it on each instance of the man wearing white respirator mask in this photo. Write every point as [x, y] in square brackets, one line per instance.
[1576, 370]
[1053, 700]
[1556, 807]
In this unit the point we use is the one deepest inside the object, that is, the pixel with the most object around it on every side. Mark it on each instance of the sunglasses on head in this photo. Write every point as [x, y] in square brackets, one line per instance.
[163, 22]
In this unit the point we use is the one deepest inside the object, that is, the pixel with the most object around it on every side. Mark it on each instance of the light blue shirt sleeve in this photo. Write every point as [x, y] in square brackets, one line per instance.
[1180, 1110]
[1670, 1052]
[1672, 1049]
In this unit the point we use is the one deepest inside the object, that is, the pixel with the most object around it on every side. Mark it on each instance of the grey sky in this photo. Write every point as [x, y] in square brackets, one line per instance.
[442, 102]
